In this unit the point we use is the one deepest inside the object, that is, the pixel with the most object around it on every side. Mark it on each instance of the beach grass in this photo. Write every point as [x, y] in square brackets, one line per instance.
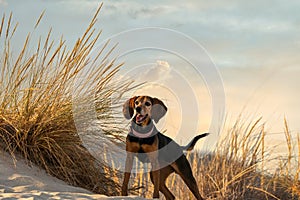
[37, 122]
[38, 87]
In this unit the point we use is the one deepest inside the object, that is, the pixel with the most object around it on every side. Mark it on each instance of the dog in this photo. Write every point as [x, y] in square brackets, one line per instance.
[149, 145]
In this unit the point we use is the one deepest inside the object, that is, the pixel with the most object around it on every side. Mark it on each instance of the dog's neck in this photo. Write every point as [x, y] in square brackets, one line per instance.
[143, 131]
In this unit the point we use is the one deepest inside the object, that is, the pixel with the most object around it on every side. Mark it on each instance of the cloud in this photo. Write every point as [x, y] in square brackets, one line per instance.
[235, 33]
[162, 63]
[145, 12]
[158, 72]
[3, 3]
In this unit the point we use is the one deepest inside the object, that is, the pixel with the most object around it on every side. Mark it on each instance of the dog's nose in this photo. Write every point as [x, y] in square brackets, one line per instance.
[138, 109]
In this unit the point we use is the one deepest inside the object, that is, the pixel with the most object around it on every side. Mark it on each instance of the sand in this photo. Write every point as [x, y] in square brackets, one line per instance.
[20, 181]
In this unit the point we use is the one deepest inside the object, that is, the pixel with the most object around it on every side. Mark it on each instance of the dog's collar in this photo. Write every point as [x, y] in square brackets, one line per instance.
[139, 134]
[142, 135]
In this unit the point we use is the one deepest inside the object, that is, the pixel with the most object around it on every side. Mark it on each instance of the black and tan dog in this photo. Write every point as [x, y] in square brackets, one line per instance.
[149, 145]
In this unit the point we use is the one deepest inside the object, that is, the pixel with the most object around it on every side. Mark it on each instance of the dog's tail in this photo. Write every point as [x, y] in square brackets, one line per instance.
[191, 145]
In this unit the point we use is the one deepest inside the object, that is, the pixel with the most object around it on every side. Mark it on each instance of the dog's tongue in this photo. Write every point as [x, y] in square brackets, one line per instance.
[139, 117]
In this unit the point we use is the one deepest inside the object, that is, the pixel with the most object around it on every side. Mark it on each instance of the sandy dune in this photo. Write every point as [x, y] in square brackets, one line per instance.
[19, 181]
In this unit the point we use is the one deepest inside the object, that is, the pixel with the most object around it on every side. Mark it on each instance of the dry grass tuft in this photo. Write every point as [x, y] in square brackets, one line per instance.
[36, 118]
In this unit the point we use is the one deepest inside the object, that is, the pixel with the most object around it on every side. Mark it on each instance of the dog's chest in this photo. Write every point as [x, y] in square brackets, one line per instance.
[142, 141]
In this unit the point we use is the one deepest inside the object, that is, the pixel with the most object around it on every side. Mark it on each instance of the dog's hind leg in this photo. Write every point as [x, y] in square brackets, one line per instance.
[168, 194]
[183, 169]
[164, 173]
[192, 185]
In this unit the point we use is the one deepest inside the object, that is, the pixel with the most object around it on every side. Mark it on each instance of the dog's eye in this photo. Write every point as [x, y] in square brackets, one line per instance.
[136, 103]
[148, 103]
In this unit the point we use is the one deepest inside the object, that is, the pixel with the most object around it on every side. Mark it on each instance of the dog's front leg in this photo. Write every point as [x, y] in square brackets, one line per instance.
[153, 156]
[128, 168]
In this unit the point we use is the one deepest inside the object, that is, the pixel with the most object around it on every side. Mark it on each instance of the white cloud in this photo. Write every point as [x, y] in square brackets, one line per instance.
[163, 63]
[159, 72]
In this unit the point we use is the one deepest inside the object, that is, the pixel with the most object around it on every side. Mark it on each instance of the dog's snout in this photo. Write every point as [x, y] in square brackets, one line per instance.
[138, 109]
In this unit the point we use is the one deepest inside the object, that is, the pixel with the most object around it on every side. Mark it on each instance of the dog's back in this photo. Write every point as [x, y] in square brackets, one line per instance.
[169, 150]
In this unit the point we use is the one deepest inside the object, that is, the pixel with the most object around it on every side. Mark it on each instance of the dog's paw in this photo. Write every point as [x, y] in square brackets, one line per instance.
[124, 193]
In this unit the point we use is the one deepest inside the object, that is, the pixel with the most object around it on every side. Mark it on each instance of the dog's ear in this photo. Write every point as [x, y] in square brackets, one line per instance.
[158, 109]
[128, 107]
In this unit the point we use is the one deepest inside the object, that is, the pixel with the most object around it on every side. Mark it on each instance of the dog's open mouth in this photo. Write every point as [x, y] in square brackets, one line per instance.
[140, 118]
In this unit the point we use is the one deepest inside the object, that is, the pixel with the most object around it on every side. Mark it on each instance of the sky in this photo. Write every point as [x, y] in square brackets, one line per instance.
[254, 45]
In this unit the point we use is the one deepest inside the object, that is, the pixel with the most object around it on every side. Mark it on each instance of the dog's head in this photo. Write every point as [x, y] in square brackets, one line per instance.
[144, 108]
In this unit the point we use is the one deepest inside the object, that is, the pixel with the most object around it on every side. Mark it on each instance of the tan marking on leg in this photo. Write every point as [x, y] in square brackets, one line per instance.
[131, 147]
[152, 152]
